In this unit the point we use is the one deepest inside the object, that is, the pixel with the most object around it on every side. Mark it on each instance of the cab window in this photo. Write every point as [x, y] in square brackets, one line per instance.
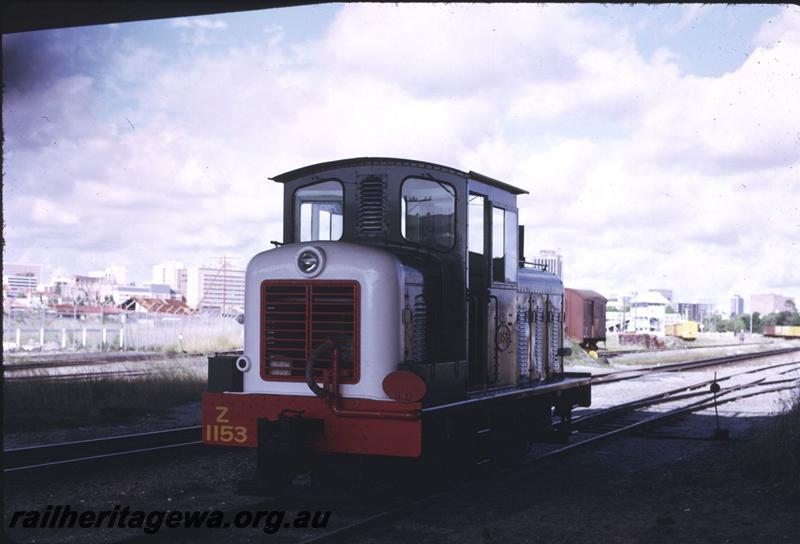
[428, 213]
[475, 210]
[318, 211]
[504, 245]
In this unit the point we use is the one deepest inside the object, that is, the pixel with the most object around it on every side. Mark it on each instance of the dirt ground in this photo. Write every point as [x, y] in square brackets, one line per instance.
[678, 487]
[674, 485]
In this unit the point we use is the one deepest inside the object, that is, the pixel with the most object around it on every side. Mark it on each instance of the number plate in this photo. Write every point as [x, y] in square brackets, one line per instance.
[223, 431]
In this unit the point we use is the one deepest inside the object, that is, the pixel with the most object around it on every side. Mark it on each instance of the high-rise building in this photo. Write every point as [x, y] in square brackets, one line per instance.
[737, 306]
[666, 293]
[696, 311]
[21, 279]
[768, 304]
[551, 260]
[172, 273]
[217, 287]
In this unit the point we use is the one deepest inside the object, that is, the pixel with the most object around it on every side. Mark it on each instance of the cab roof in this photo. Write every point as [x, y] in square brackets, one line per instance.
[387, 161]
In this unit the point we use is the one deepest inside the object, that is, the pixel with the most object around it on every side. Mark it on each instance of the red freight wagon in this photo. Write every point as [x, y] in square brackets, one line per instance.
[585, 316]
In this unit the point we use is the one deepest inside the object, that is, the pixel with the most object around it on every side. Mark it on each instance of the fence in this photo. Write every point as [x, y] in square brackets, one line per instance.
[193, 334]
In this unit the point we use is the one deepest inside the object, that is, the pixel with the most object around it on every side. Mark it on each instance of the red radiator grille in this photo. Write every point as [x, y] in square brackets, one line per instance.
[299, 315]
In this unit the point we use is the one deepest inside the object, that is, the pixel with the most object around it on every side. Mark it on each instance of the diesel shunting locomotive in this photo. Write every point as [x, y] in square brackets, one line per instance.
[397, 318]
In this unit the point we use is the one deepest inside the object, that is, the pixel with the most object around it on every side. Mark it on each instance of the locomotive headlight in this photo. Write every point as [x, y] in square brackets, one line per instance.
[243, 363]
[310, 261]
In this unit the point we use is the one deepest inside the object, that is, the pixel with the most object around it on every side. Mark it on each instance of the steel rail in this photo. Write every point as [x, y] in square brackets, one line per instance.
[622, 375]
[673, 394]
[41, 456]
[693, 407]
[374, 519]
[88, 359]
[88, 376]
[617, 353]
[345, 533]
[80, 451]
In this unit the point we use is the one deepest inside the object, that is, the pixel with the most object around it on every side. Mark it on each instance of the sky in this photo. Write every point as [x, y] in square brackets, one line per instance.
[660, 144]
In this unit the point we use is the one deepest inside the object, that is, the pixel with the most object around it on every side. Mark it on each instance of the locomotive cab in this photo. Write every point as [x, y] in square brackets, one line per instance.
[396, 314]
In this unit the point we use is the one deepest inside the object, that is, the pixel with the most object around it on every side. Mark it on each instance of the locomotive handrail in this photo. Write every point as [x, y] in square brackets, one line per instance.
[310, 381]
[543, 266]
[496, 328]
[334, 396]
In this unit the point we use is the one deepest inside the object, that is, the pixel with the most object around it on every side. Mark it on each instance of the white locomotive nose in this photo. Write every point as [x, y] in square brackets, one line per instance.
[243, 363]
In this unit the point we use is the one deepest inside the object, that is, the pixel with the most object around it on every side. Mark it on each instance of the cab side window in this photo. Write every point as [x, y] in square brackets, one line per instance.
[318, 211]
[475, 207]
[504, 245]
[428, 213]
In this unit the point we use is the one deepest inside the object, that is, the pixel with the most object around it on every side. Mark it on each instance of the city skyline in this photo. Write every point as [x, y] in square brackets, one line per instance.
[179, 282]
[658, 142]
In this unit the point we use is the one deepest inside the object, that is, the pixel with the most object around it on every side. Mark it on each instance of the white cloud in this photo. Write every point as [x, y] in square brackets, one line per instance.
[663, 196]
[783, 27]
[206, 24]
[744, 120]
[47, 212]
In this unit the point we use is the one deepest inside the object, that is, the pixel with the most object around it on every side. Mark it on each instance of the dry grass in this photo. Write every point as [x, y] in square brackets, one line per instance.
[775, 451]
[43, 404]
[679, 356]
[580, 356]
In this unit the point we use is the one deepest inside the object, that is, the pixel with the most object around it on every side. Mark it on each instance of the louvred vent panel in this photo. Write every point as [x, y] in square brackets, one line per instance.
[299, 315]
[372, 205]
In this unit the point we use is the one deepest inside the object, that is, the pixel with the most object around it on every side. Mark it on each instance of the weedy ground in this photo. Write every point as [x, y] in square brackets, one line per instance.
[775, 451]
[43, 404]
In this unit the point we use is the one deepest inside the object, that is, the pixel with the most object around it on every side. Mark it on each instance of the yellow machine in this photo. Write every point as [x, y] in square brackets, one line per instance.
[686, 330]
[787, 331]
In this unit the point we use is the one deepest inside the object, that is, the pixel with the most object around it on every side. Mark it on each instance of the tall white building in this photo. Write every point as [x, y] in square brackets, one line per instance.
[552, 260]
[172, 273]
[218, 287]
[648, 312]
[19, 279]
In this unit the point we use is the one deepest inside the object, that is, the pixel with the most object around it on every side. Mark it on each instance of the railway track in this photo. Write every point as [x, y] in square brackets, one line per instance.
[27, 459]
[36, 457]
[21, 370]
[82, 376]
[617, 353]
[598, 427]
[85, 359]
[591, 428]
[620, 375]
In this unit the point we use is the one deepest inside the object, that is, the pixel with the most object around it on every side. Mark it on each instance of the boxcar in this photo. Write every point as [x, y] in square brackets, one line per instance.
[586, 317]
